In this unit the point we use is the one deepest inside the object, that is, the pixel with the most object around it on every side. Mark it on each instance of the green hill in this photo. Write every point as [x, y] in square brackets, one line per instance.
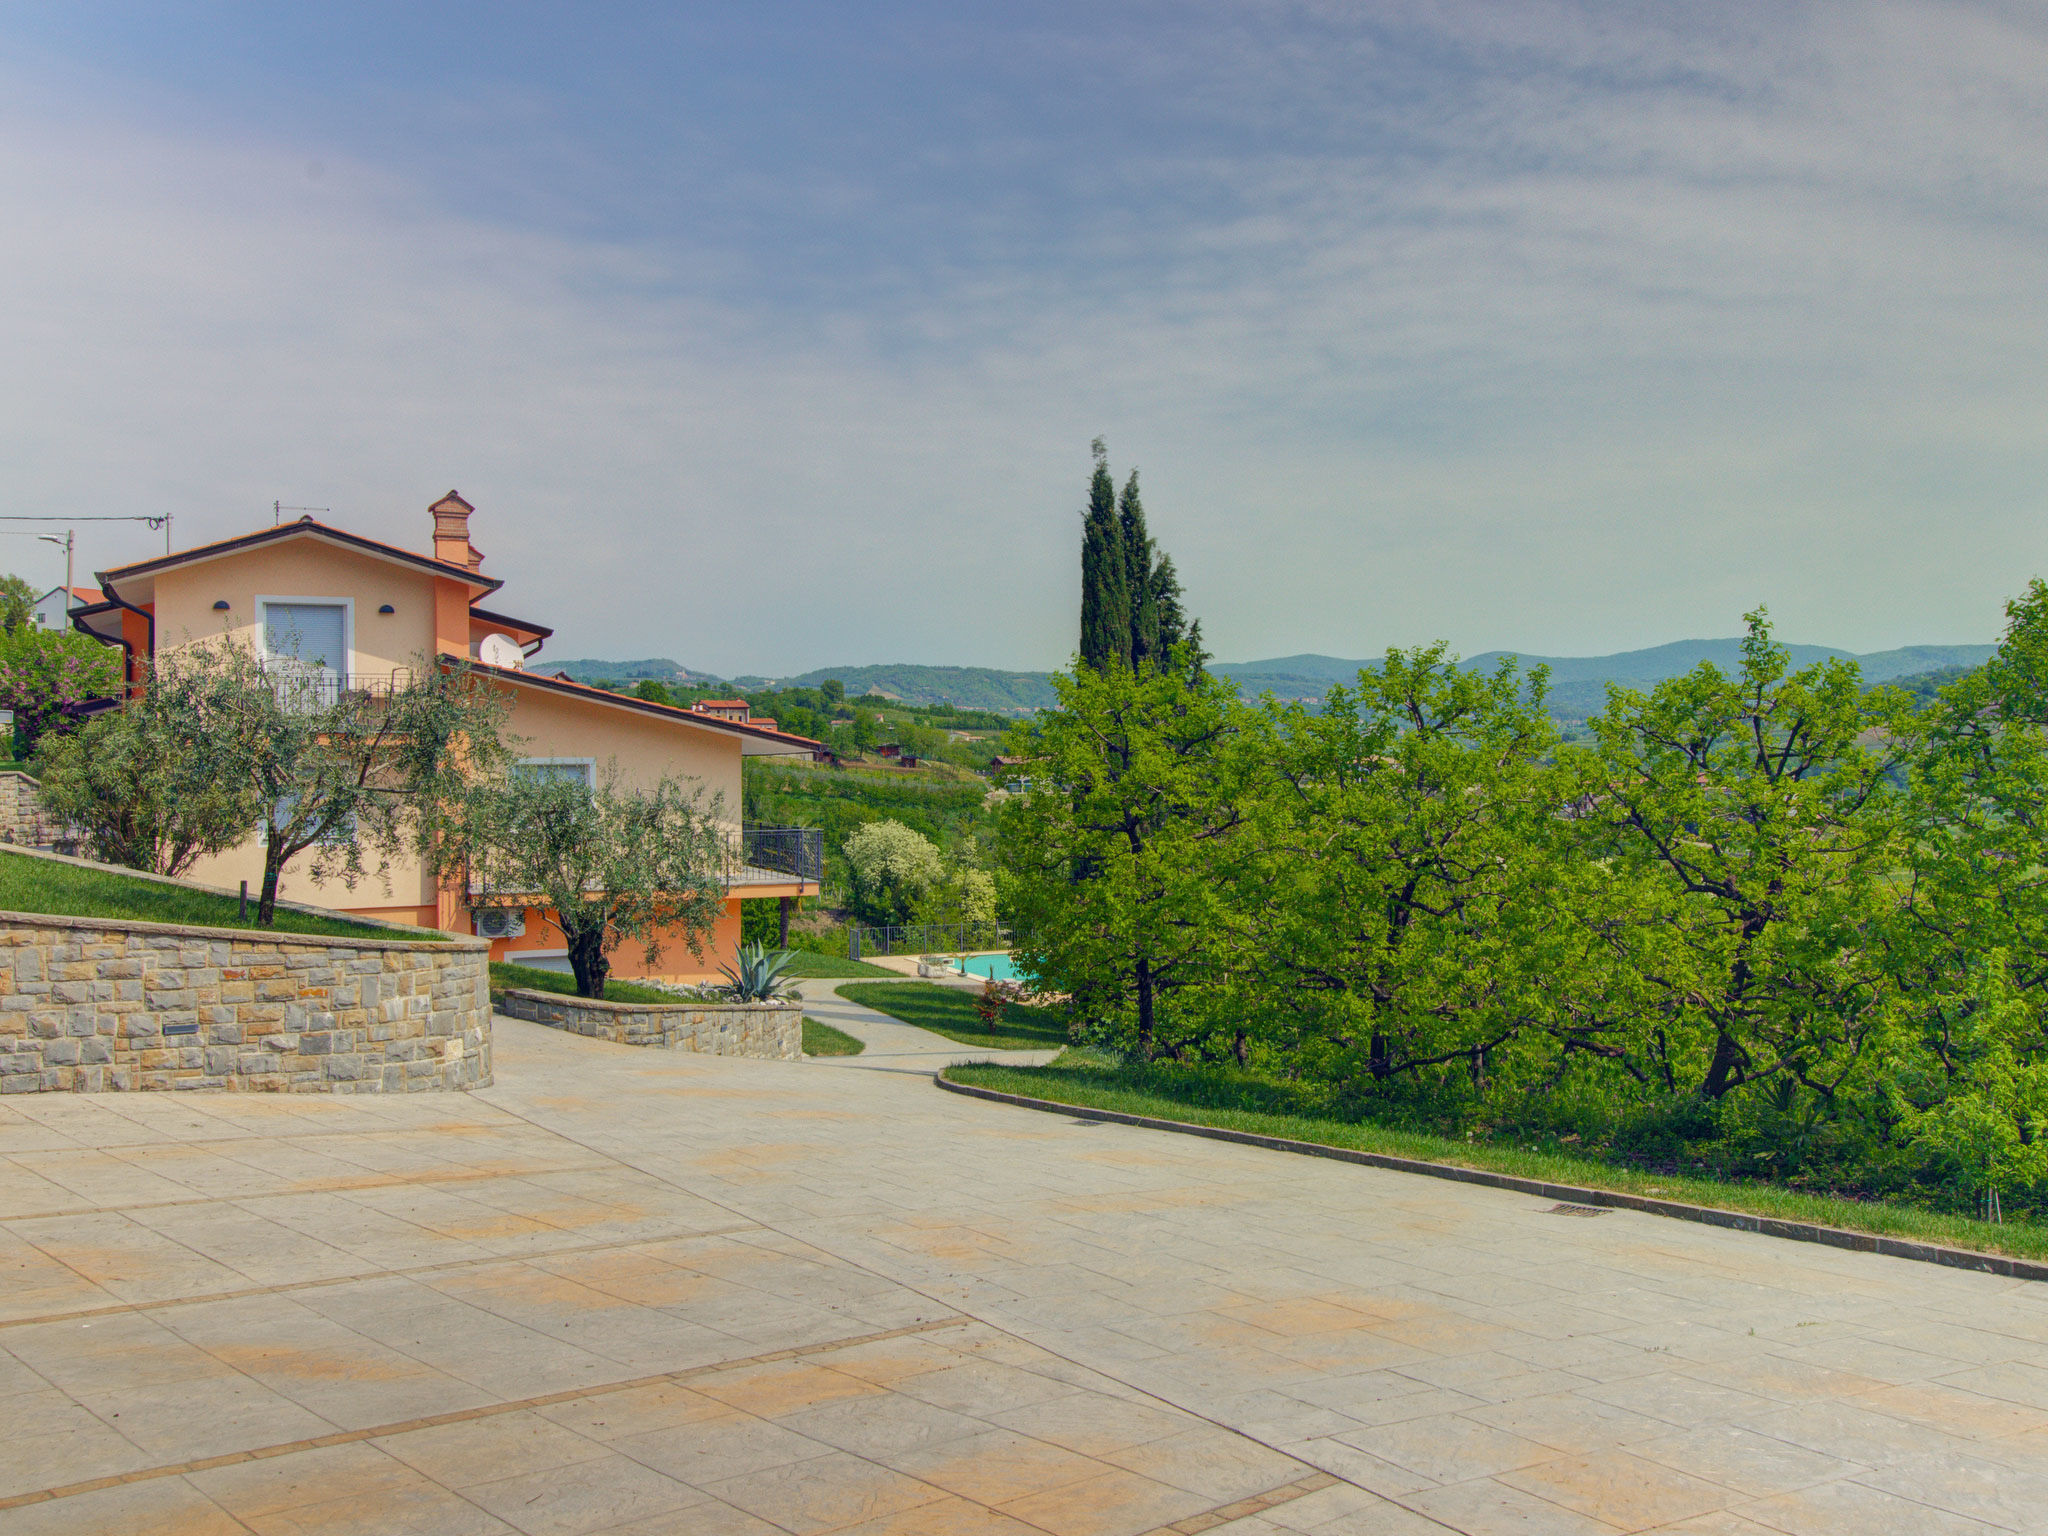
[968, 687]
[660, 668]
[1578, 684]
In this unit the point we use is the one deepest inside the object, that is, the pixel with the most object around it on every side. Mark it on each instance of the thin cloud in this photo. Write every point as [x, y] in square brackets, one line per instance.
[1520, 326]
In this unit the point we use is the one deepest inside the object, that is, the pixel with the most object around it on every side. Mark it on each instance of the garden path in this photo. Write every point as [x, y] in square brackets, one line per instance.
[892, 1045]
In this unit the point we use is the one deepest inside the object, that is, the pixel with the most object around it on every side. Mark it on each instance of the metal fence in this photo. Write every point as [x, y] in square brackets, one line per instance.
[925, 939]
[795, 851]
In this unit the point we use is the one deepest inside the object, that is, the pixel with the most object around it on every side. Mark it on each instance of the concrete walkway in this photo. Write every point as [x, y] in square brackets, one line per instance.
[632, 1291]
[893, 1045]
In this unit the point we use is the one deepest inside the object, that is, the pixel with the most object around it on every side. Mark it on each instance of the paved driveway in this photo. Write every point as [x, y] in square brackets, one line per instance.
[633, 1291]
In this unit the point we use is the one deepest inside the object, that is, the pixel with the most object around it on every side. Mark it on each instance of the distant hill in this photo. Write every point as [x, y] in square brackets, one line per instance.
[968, 687]
[660, 668]
[1578, 684]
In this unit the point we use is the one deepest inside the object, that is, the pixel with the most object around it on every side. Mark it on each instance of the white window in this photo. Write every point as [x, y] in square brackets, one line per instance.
[574, 770]
[343, 831]
[305, 641]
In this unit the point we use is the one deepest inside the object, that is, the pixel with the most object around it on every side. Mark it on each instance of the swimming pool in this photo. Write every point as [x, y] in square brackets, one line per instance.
[999, 966]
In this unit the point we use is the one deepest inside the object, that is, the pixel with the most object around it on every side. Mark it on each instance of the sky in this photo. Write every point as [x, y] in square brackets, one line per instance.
[773, 336]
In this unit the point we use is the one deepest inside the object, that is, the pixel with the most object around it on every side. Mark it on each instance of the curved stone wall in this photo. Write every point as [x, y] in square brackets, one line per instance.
[95, 1004]
[771, 1030]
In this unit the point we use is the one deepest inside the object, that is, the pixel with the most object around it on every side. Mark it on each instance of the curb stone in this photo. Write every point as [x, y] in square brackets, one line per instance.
[1678, 1210]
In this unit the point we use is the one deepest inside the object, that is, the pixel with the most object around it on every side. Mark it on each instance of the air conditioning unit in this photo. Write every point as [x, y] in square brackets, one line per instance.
[500, 923]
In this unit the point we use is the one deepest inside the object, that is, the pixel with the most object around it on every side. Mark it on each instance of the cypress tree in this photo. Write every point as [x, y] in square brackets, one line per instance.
[1132, 609]
[1143, 645]
[1105, 585]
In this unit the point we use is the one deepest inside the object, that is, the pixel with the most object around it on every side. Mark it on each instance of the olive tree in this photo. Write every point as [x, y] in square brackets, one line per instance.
[605, 864]
[156, 784]
[350, 777]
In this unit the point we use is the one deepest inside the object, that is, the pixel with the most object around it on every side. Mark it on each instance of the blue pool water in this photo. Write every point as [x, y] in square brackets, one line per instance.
[1001, 967]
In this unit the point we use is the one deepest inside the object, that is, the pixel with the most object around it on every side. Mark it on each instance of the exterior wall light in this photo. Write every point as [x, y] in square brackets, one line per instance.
[221, 606]
[387, 608]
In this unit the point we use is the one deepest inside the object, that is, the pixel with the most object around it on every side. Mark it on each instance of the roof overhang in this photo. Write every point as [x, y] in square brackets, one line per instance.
[754, 741]
[136, 583]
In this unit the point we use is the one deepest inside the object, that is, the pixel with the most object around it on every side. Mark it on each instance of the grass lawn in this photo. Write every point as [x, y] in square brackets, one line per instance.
[504, 974]
[808, 962]
[824, 1040]
[949, 1011]
[64, 890]
[1091, 1082]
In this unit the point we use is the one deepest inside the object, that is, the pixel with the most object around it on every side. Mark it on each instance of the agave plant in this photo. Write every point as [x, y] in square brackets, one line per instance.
[759, 978]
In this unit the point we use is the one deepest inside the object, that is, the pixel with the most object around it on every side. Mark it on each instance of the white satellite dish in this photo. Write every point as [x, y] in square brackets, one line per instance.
[501, 651]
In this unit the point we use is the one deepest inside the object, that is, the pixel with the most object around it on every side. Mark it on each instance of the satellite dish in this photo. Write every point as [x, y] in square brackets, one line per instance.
[501, 651]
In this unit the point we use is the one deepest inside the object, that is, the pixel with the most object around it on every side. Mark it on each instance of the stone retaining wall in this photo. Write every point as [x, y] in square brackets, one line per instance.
[21, 814]
[92, 1004]
[771, 1030]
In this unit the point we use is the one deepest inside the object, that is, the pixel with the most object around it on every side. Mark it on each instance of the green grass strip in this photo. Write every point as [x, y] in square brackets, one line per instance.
[949, 1011]
[506, 974]
[29, 884]
[1092, 1086]
[824, 1040]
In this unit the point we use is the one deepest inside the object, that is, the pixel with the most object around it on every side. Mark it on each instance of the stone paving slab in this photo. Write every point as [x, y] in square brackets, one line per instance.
[634, 1293]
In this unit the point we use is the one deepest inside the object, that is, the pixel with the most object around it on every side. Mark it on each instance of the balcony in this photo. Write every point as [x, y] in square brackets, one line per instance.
[307, 690]
[778, 855]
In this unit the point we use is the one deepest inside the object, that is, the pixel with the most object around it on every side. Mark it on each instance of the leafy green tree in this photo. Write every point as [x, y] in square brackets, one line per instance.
[605, 864]
[1108, 868]
[1405, 891]
[17, 603]
[1755, 843]
[833, 692]
[653, 690]
[48, 675]
[158, 783]
[890, 871]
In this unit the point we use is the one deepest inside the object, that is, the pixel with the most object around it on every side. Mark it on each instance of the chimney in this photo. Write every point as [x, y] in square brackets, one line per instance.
[451, 532]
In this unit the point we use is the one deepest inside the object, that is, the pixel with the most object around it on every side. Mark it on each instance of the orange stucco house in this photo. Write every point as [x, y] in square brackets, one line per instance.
[364, 611]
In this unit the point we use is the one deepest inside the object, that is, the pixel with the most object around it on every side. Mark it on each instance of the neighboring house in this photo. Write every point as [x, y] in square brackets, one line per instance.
[364, 612]
[51, 611]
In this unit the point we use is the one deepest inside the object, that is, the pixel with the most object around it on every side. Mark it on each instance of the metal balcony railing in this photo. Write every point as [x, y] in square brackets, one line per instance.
[796, 853]
[306, 689]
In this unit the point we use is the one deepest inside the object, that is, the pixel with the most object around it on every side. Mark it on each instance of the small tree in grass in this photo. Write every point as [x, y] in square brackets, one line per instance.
[607, 864]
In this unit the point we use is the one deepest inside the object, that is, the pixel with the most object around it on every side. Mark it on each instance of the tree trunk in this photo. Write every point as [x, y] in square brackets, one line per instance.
[1240, 1047]
[1727, 1057]
[589, 961]
[266, 904]
[1144, 979]
[1379, 1058]
[783, 942]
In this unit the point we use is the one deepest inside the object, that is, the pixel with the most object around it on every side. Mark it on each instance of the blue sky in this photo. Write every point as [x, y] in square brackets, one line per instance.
[773, 336]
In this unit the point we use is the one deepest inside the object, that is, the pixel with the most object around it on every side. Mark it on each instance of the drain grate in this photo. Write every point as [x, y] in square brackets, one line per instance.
[1577, 1210]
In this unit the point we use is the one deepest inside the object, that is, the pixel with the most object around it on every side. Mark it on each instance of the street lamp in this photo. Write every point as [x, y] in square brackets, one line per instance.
[51, 538]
